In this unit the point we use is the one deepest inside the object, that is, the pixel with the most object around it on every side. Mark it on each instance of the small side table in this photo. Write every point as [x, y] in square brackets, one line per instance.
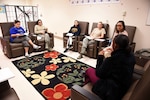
[142, 63]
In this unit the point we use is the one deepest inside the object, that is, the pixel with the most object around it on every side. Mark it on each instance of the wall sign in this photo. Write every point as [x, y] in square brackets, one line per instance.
[82, 2]
[2, 9]
[148, 18]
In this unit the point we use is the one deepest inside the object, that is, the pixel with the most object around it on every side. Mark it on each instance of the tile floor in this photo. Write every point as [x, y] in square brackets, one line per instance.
[23, 88]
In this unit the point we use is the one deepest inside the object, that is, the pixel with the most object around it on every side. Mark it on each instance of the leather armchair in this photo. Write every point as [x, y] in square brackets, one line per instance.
[131, 33]
[11, 50]
[92, 49]
[40, 42]
[6, 92]
[84, 31]
[139, 89]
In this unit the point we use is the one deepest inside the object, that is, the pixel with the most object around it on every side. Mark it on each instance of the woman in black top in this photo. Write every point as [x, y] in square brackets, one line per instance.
[75, 30]
[113, 75]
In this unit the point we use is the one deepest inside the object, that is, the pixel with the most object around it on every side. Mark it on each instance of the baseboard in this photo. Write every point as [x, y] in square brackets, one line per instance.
[58, 37]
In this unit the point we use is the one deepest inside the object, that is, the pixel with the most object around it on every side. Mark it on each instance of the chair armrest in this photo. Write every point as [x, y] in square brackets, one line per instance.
[6, 46]
[33, 37]
[78, 93]
[64, 34]
[132, 45]
[139, 71]
[51, 34]
[81, 37]
[100, 40]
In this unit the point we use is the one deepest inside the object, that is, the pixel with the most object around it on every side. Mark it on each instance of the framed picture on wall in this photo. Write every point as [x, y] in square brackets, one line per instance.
[148, 18]
[83, 2]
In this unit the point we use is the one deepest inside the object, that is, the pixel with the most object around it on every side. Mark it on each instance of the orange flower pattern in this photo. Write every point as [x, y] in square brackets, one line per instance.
[60, 92]
[53, 54]
[51, 67]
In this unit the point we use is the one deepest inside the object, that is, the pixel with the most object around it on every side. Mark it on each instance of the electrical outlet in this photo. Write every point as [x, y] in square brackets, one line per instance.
[107, 21]
[124, 13]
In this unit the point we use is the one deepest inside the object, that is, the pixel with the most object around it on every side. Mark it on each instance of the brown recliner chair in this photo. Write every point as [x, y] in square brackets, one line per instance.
[40, 42]
[6, 92]
[92, 49]
[84, 31]
[139, 89]
[11, 50]
[131, 33]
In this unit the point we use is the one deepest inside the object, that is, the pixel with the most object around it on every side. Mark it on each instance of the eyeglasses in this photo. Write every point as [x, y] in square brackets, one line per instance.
[119, 25]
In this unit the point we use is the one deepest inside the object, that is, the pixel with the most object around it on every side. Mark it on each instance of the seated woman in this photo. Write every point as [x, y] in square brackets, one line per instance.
[119, 29]
[17, 35]
[75, 30]
[97, 33]
[113, 75]
[41, 31]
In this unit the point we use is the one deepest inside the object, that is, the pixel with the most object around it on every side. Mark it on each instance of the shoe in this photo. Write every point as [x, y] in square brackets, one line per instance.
[65, 50]
[50, 50]
[36, 47]
[27, 55]
[71, 46]
[80, 56]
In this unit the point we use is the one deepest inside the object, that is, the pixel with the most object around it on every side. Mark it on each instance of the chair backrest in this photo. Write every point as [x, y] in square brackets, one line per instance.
[5, 27]
[84, 27]
[131, 32]
[105, 26]
[31, 25]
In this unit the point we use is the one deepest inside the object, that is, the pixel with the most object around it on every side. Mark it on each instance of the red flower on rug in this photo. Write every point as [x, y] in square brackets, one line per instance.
[51, 67]
[60, 92]
[52, 54]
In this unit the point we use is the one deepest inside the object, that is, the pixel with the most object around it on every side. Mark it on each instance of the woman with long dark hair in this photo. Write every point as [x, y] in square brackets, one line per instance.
[119, 29]
[113, 75]
[41, 31]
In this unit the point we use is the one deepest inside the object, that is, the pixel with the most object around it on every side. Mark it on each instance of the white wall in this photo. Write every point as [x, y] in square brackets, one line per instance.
[15, 2]
[58, 16]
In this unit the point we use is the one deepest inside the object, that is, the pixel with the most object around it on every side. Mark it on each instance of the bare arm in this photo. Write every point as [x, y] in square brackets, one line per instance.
[16, 35]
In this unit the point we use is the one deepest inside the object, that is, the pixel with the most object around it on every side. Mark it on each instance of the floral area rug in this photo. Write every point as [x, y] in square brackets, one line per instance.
[52, 74]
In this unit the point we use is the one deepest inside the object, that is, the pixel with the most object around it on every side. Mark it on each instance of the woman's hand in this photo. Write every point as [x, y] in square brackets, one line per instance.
[17, 35]
[101, 52]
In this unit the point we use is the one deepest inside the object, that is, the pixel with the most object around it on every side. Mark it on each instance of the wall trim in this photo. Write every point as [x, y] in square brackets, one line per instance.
[58, 37]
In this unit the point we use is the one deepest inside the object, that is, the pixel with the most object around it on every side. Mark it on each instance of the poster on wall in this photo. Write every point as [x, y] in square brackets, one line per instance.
[82, 2]
[2, 9]
[148, 18]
